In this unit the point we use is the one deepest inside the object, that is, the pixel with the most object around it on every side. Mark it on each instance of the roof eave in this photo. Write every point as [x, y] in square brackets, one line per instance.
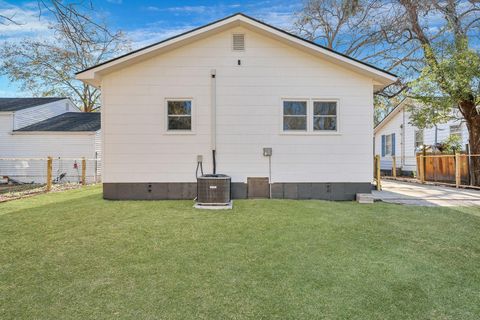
[17, 132]
[399, 107]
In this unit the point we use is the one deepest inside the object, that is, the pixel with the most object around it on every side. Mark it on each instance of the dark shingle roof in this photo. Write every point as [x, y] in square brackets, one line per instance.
[15, 104]
[69, 121]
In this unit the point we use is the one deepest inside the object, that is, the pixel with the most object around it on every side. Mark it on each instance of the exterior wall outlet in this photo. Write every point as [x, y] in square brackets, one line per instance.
[199, 158]
[267, 152]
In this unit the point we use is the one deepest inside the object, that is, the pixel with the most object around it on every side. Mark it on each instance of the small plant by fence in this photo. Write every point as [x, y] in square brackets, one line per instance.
[49, 171]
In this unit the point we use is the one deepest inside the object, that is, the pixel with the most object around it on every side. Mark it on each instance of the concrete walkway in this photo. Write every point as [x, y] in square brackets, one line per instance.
[426, 195]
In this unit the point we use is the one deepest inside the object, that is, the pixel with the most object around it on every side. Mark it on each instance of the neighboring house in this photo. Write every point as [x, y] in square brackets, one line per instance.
[42, 127]
[230, 89]
[395, 136]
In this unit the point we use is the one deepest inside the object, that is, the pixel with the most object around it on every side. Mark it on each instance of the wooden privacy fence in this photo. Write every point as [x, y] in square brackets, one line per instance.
[445, 168]
[431, 167]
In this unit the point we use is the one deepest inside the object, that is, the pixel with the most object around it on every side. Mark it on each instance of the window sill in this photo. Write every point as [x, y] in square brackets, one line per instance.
[306, 133]
[180, 132]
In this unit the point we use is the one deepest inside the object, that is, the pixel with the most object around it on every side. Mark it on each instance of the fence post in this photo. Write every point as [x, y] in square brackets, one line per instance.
[394, 166]
[421, 170]
[377, 172]
[49, 173]
[458, 177]
[84, 171]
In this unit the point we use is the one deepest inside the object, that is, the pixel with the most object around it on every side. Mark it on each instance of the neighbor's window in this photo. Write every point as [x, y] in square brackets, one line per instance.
[295, 115]
[418, 139]
[456, 130]
[325, 115]
[179, 114]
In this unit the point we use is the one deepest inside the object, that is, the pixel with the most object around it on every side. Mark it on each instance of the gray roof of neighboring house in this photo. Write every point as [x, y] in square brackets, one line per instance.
[69, 121]
[15, 104]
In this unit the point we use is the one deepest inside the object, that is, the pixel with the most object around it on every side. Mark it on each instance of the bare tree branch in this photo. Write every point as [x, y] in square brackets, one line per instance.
[48, 67]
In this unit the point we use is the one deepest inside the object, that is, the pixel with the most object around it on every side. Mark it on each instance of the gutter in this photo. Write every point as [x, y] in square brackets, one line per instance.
[74, 133]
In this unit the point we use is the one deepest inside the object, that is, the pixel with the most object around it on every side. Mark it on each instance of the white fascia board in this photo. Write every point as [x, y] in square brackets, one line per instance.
[387, 119]
[53, 132]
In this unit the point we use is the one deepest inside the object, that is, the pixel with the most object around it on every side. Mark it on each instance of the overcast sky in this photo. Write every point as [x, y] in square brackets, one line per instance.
[144, 22]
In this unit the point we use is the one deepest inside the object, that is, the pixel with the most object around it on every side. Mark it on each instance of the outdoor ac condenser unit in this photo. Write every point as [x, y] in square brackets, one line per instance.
[213, 189]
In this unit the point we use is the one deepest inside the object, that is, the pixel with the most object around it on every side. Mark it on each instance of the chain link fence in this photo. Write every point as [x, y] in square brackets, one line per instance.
[42, 171]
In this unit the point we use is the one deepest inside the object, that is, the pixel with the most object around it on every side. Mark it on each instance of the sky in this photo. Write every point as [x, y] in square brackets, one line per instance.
[144, 22]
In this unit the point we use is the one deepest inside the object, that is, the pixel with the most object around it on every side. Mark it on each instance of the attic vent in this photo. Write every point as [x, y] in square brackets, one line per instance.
[238, 42]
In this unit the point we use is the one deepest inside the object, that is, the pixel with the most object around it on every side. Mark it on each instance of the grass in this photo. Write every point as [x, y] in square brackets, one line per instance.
[72, 255]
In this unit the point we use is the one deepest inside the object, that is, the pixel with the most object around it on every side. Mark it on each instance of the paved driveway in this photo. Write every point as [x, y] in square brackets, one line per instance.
[426, 195]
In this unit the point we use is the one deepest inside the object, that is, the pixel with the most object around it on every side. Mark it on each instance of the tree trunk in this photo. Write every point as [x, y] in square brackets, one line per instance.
[472, 119]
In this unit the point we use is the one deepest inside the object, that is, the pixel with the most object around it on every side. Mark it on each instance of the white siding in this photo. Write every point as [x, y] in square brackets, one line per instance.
[98, 152]
[394, 126]
[137, 148]
[6, 127]
[26, 117]
[41, 146]
[443, 132]
[405, 149]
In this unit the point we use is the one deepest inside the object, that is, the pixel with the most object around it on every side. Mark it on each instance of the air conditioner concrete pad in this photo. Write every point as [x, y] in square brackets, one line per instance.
[227, 206]
[364, 198]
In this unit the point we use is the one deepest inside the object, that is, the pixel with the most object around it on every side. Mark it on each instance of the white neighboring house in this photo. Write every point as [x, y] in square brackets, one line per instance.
[395, 136]
[234, 87]
[42, 127]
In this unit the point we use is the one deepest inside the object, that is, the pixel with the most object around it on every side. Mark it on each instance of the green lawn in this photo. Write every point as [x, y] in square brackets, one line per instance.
[72, 255]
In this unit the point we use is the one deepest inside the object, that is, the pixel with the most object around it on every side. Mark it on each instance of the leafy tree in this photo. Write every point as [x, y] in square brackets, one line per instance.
[428, 43]
[451, 75]
[451, 144]
[47, 67]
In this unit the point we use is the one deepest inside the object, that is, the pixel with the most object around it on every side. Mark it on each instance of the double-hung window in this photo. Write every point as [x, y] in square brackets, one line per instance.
[179, 115]
[325, 116]
[388, 145]
[295, 115]
[309, 115]
[418, 139]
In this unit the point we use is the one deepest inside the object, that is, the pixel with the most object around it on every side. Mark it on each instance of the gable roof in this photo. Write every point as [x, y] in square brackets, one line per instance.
[93, 74]
[16, 104]
[398, 108]
[67, 122]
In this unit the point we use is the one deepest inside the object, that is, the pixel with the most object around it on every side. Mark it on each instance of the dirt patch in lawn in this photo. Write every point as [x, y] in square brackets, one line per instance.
[19, 191]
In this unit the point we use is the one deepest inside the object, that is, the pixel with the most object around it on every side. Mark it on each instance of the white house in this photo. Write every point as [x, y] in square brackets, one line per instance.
[40, 127]
[230, 89]
[395, 136]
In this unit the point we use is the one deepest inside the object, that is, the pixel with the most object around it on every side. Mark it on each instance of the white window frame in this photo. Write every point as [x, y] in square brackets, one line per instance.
[416, 132]
[282, 109]
[310, 131]
[193, 122]
[388, 152]
[337, 116]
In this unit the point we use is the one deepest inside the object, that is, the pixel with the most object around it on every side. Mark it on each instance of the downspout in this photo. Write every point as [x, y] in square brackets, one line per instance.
[213, 74]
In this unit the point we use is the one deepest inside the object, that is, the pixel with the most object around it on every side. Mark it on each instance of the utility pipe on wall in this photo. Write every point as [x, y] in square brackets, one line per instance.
[213, 74]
